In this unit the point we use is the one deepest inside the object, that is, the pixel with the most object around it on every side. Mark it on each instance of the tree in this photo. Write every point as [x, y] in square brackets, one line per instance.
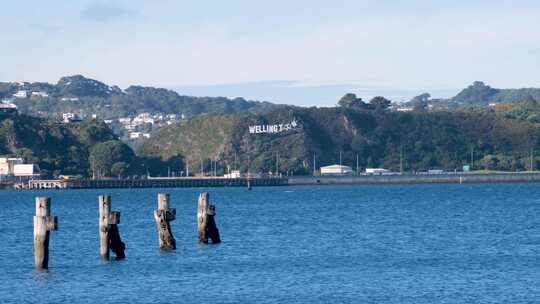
[422, 98]
[119, 169]
[104, 155]
[350, 100]
[379, 103]
[490, 162]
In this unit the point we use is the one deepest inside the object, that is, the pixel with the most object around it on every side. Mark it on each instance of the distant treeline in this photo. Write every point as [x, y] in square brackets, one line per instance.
[77, 93]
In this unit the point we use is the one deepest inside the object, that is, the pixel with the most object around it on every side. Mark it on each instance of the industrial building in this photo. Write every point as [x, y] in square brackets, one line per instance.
[336, 170]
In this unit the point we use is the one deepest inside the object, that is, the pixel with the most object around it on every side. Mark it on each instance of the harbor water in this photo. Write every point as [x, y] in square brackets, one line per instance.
[432, 243]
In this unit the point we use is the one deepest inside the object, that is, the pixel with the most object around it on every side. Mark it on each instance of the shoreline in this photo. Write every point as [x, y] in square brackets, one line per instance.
[454, 178]
[220, 182]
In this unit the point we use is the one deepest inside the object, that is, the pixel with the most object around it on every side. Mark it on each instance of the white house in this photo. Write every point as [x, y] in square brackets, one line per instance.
[70, 117]
[336, 170]
[135, 135]
[40, 94]
[69, 99]
[21, 94]
[8, 108]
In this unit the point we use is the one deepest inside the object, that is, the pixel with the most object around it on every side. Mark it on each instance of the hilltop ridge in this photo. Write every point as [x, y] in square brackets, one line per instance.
[84, 95]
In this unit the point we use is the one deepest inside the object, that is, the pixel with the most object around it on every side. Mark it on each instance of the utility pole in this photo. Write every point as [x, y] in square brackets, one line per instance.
[472, 158]
[314, 164]
[277, 163]
[532, 160]
[401, 161]
[202, 169]
[357, 164]
[249, 165]
[340, 162]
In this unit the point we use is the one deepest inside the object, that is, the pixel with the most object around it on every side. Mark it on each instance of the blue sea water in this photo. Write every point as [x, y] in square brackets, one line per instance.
[342, 244]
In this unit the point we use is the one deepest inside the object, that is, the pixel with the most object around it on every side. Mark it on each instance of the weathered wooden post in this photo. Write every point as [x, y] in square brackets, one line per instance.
[205, 220]
[44, 223]
[163, 216]
[109, 236]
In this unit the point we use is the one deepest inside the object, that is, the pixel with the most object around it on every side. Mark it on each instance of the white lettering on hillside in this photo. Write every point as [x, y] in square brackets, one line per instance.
[272, 129]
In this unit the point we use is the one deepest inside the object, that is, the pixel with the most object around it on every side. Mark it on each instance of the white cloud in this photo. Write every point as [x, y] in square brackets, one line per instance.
[441, 49]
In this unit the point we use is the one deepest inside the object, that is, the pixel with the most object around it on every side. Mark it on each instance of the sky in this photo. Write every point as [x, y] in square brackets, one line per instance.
[300, 52]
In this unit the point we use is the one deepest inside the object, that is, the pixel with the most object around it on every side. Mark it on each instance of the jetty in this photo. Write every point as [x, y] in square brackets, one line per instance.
[180, 182]
[211, 182]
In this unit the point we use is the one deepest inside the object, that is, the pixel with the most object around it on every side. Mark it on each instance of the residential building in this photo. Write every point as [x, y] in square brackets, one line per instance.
[8, 108]
[40, 94]
[70, 117]
[69, 99]
[21, 94]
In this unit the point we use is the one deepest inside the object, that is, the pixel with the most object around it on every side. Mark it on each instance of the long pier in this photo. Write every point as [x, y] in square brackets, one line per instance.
[185, 182]
[208, 182]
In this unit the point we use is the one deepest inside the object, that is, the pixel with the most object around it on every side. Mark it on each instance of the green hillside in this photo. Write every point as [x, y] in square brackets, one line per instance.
[88, 148]
[422, 140]
[78, 93]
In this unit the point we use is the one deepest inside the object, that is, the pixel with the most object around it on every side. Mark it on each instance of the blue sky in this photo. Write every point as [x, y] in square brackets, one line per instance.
[302, 52]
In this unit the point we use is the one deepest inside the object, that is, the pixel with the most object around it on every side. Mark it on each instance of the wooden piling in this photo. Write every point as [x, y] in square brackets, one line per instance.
[44, 223]
[205, 219]
[109, 236]
[163, 216]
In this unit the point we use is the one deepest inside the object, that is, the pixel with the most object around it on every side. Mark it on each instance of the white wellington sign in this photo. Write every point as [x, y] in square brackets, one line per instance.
[272, 129]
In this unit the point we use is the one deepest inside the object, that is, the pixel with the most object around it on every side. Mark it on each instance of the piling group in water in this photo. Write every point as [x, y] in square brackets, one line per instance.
[109, 233]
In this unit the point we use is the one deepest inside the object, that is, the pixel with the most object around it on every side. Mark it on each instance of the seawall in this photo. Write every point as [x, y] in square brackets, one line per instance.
[417, 179]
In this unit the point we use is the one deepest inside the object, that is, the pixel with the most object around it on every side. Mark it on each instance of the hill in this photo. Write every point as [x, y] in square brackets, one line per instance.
[88, 96]
[423, 140]
[481, 94]
[88, 148]
[478, 94]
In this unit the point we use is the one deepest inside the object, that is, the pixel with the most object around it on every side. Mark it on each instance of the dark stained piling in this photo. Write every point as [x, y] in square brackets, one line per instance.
[205, 219]
[163, 216]
[44, 223]
[212, 231]
[109, 235]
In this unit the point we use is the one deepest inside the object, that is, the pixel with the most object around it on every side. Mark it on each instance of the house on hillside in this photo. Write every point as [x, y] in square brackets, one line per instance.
[8, 108]
[40, 94]
[70, 117]
[21, 94]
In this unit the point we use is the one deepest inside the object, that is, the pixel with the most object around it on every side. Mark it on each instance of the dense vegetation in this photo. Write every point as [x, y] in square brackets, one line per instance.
[422, 140]
[88, 148]
[478, 94]
[503, 137]
[80, 94]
